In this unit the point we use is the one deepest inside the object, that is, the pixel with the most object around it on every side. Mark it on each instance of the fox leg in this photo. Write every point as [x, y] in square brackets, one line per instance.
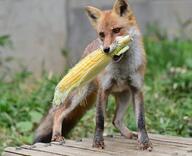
[57, 124]
[138, 102]
[122, 101]
[83, 98]
[61, 113]
[98, 140]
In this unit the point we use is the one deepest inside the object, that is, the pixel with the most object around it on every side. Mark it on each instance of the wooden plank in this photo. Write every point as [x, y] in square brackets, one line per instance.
[110, 146]
[128, 147]
[154, 141]
[179, 140]
[71, 144]
[117, 145]
[123, 144]
[116, 148]
[25, 152]
[158, 145]
[164, 138]
[59, 149]
[101, 151]
[11, 154]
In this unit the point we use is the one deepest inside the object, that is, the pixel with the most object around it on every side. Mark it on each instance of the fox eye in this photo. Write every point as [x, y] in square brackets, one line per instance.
[116, 30]
[102, 34]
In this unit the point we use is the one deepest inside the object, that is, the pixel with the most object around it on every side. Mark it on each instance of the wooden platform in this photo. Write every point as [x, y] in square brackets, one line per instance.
[115, 145]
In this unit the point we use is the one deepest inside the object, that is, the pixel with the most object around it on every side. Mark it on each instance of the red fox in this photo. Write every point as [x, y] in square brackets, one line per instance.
[123, 78]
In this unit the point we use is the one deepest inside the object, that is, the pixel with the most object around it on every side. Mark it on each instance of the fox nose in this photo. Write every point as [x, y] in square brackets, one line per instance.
[106, 49]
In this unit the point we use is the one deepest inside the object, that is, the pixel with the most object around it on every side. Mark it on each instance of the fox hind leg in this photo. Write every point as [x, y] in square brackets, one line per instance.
[122, 101]
[73, 109]
[57, 124]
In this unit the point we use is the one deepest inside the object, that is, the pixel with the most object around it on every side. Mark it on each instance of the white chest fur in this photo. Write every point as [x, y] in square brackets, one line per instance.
[126, 69]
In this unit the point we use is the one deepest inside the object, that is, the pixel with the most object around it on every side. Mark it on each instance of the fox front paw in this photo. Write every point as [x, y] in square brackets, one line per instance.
[145, 146]
[98, 143]
[58, 138]
[143, 141]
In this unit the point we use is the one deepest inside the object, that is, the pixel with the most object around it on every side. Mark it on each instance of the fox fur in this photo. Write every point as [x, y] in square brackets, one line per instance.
[123, 78]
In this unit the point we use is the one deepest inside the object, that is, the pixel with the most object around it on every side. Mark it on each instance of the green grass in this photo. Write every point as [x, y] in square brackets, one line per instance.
[168, 98]
[22, 103]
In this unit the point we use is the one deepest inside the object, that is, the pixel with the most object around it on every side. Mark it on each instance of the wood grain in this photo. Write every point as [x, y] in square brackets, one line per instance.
[114, 145]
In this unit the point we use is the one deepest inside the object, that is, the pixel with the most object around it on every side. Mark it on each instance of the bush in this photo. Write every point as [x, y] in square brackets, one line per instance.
[23, 102]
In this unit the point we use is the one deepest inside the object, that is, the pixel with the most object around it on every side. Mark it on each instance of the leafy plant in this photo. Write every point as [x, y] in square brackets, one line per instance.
[5, 40]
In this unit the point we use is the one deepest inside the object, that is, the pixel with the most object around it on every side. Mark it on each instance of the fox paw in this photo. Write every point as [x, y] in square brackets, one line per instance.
[58, 138]
[145, 146]
[98, 143]
[131, 135]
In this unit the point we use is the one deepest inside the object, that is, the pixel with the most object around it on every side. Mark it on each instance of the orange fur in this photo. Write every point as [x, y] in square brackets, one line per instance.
[113, 80]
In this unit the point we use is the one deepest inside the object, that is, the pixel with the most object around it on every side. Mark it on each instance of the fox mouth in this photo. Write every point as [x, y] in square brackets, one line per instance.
[117, 58]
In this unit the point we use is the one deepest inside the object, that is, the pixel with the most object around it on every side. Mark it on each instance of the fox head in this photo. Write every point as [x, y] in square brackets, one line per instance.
[111, 23]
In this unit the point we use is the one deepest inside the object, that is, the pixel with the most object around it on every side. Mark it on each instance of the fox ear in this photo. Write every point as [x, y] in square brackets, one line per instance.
[93, 14]
[120, 7]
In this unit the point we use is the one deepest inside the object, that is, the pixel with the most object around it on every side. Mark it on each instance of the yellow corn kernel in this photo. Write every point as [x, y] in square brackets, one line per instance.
[87, 69]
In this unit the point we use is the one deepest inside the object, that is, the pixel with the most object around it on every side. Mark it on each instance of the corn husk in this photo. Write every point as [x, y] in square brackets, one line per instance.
[87, 69]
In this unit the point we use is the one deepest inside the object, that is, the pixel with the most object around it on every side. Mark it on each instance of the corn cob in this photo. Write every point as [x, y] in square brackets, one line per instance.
[87, 69]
